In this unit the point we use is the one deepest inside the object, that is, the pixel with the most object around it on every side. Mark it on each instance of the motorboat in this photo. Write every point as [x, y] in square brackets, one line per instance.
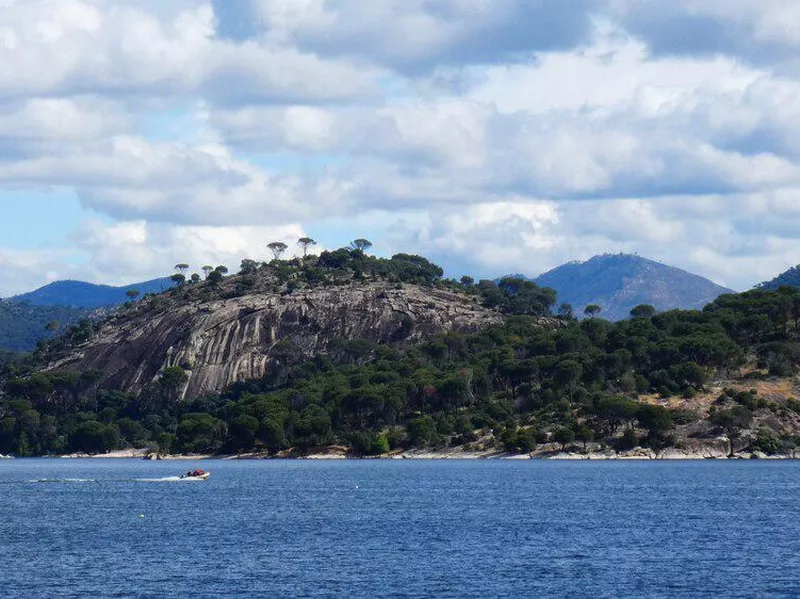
[196, 474]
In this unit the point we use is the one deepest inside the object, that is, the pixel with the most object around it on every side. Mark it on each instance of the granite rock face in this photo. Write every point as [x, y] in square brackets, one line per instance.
[222, 341]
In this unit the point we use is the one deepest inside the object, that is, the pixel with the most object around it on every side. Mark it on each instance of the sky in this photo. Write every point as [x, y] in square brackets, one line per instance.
[492, 136]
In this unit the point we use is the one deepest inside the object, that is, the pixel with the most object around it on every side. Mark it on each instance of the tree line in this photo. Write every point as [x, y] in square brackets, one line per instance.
[514, 385]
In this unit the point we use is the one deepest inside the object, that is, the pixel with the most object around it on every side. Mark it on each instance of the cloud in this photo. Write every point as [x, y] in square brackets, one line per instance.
[763, 32]
[126, 49]
[531, 238]
[494, 135]
[134, 250]
[129, 178]
[22, 270]
[128, 252]
[411, 36]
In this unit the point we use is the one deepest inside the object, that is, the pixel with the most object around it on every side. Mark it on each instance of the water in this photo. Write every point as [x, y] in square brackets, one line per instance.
[399, 529]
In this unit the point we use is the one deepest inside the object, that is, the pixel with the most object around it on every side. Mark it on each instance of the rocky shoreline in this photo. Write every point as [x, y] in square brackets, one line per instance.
[545, 453]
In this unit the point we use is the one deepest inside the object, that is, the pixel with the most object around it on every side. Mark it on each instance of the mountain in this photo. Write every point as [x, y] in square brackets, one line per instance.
[247, 325]
[23, 318]
[358, 354]
[222, 341]
[78, 294]
[619, 282]
[789, 278]
[22, 325]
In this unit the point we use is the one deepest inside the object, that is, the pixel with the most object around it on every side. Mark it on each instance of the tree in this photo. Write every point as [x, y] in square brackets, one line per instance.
[305, 243]
[380, 445]
[525, 297]
[242, 432]
[584, 434]
[172, 381]
[200, 432]
[132, 294]
[568, 373]
[272, 434]
[277, 248]
[248, 267]
[643, 311]
[178, 278]
[207, 269]
[592, 310]
[223, 270]
[566, 311]
[421, 431]
[214, 277]
[564, 436]
[656, 419]
[195, 278]
[616, 410]
[361, 244]
[94, 437]
[467, 281]
[182, 268]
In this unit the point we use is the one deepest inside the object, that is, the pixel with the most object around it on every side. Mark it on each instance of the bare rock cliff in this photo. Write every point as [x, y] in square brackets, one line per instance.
[222, 341]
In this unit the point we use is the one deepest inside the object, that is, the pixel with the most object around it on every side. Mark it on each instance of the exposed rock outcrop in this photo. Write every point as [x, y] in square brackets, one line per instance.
[226, 340]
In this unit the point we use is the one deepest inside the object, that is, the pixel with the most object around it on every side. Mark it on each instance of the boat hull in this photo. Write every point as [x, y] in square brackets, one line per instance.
[203, 476]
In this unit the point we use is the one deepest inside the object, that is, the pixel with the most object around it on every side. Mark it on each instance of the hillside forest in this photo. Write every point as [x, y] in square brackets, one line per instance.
[542, 377]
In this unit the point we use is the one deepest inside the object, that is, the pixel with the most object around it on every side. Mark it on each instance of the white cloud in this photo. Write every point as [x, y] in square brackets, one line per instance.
[533, 237]
[497, 136]
[762, 32]
[75, 47]
[132, 251]
[22, 270]
[411, 36]
[136, 250]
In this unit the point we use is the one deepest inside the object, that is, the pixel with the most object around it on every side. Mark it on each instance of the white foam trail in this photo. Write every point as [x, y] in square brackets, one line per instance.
[62, 480]
[165, 479]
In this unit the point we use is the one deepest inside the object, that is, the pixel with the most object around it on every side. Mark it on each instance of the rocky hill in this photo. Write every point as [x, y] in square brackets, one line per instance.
[619, 282]
[220, 334]
[341, 351]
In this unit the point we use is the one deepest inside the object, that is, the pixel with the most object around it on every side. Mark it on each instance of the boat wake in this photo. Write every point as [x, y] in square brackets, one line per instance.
[62, 480]
[164, 479]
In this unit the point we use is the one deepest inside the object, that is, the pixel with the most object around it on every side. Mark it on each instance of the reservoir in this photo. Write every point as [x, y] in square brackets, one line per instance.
[399, 528]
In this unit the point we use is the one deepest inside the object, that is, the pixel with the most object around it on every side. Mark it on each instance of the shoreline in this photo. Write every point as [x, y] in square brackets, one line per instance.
[339, 453]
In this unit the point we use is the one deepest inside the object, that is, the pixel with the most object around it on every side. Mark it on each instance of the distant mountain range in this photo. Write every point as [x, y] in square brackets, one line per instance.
[790, 278]
[22, 325]
[77, 294]
[619, 282]
[616, 282]
[24, 318]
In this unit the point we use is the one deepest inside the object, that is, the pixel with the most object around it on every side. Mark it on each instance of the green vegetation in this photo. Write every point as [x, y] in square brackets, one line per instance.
[512, 386]
[23, 325]
[789, 278]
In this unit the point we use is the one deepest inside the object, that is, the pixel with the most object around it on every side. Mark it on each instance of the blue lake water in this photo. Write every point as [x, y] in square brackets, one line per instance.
[399, 529]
